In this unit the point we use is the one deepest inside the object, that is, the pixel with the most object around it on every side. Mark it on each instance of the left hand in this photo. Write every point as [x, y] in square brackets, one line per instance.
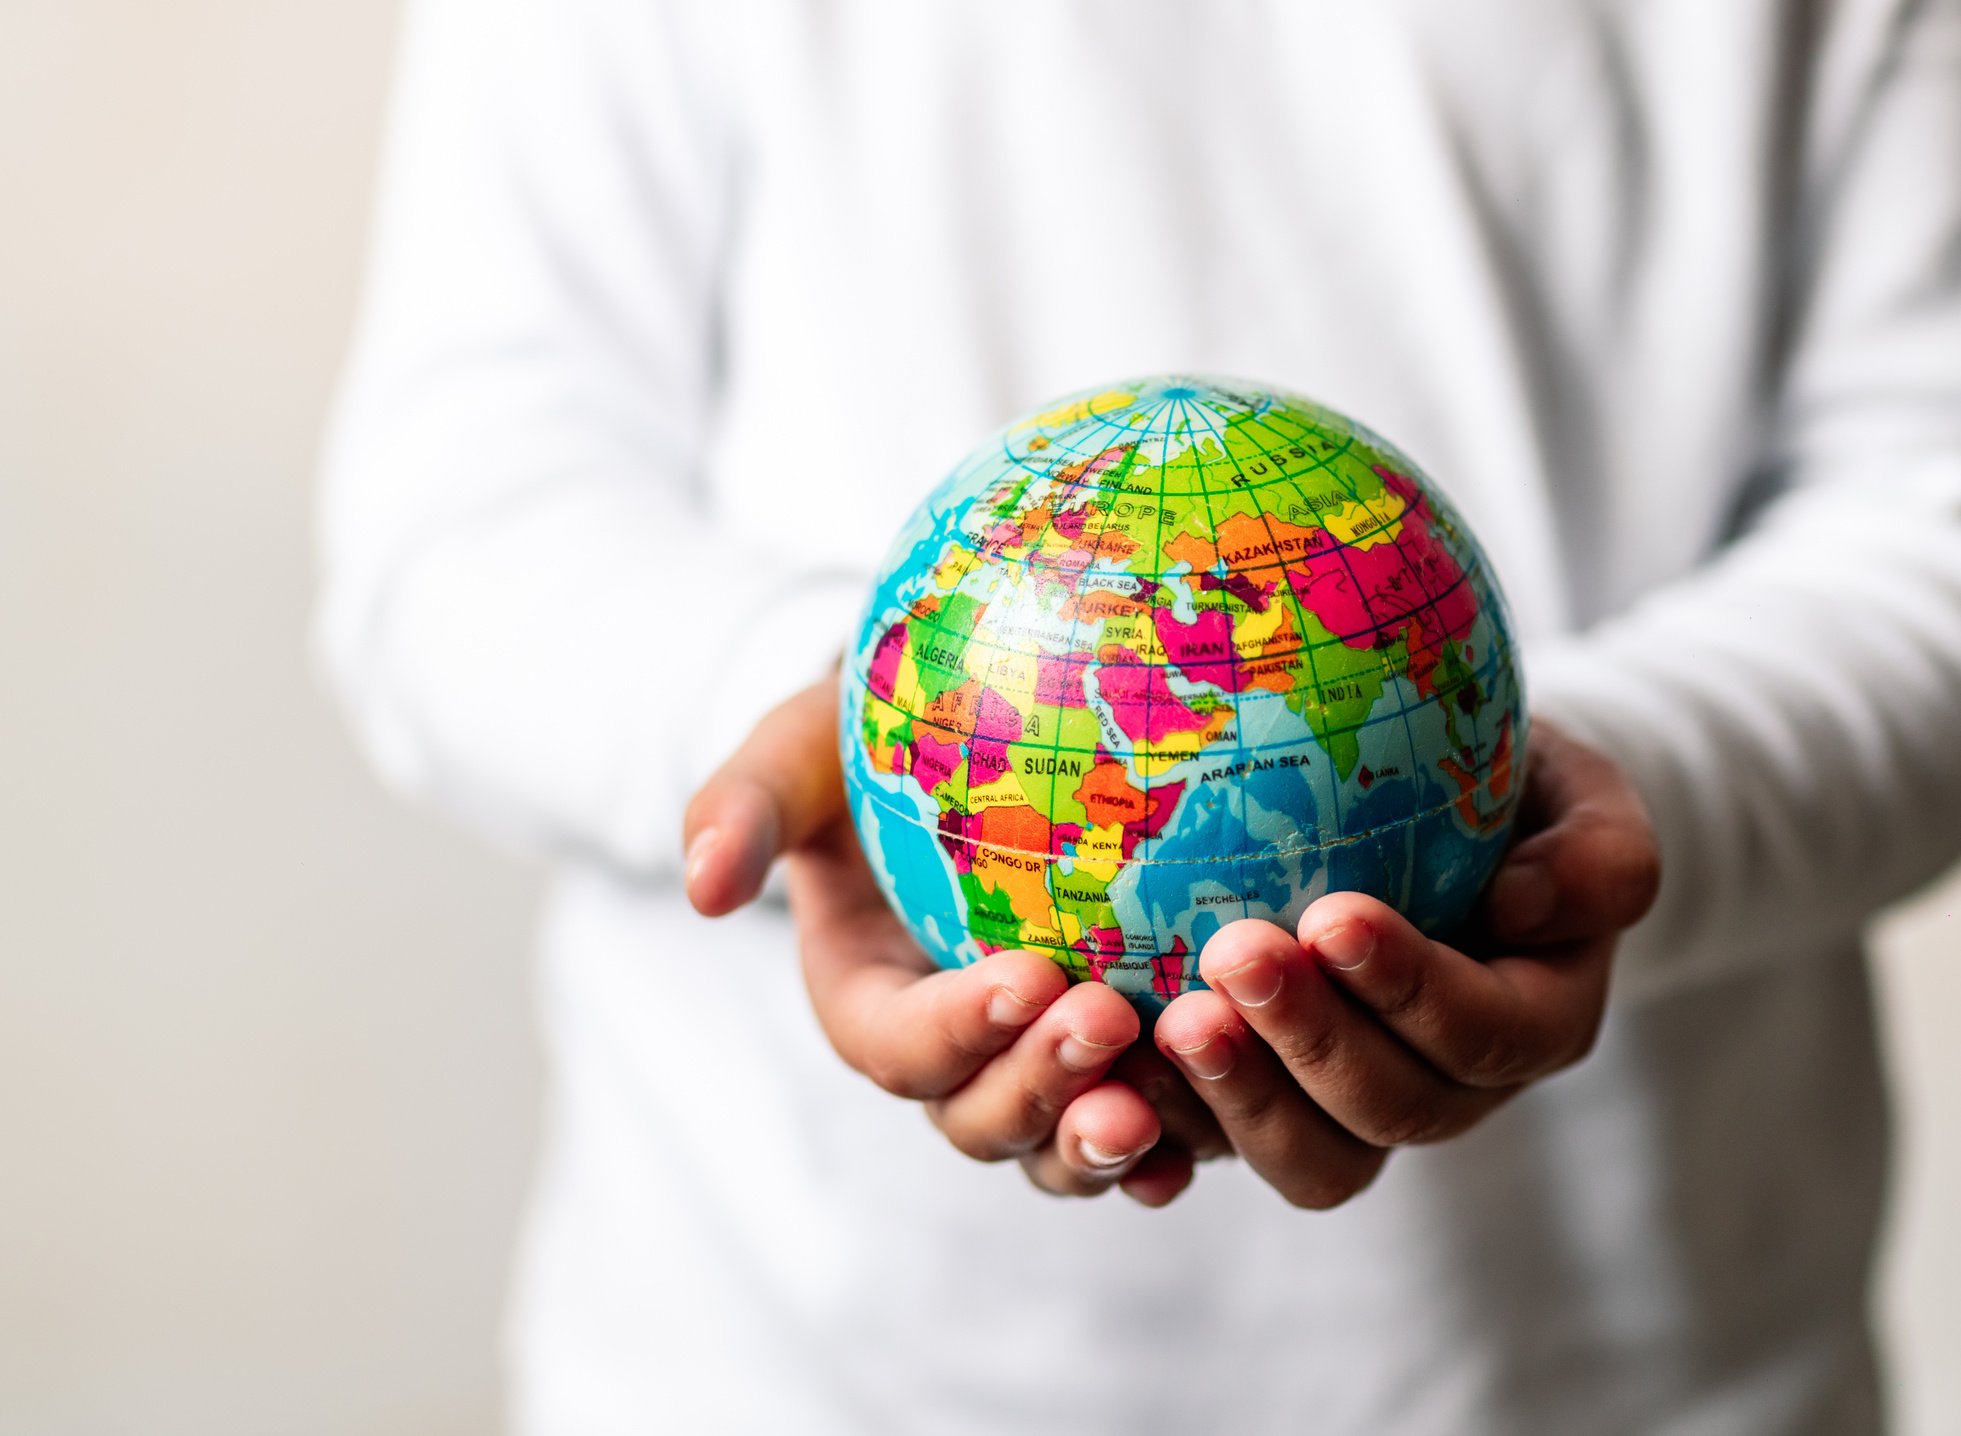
[1007, 1058]
[1320, 1055]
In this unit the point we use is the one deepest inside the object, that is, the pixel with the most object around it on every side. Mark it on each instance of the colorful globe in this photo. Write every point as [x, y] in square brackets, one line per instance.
[1170, 654]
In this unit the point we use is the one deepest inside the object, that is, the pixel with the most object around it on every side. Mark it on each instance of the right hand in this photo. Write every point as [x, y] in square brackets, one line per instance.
[1009, 1059]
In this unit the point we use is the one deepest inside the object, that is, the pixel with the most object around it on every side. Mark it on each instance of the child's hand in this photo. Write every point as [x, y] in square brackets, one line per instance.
[1319, 1055]
[1009, 1059]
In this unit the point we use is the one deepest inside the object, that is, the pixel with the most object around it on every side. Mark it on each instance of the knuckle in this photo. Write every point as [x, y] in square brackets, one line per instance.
[968, 1139]
[1499, 1061]
[1409, 1123]
[1024, 1117]
[895, 1076]
[995, 1136]
[981, 1146]
[1408, 997]
[1032, 1119]
[965, 1049]
[1245, 1105]
[1311, 1047]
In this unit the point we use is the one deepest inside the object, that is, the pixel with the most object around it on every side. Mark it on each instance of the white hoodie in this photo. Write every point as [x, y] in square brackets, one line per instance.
[677, 308]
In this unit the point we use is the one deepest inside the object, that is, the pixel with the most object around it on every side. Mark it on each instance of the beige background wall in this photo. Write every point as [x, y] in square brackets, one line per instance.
[266, 1086]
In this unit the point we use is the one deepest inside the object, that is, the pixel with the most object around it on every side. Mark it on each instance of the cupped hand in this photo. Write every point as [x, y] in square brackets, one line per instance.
[1320, 1051]
[1009, 1059]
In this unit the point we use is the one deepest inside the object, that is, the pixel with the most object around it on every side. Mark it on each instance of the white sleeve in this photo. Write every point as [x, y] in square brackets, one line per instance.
[530, 610]
[1793, 711]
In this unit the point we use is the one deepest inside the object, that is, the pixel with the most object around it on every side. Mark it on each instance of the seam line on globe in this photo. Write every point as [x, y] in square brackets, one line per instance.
[1265, 854]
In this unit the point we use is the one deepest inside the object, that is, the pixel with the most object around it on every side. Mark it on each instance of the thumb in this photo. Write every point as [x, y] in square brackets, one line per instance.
[780, 789]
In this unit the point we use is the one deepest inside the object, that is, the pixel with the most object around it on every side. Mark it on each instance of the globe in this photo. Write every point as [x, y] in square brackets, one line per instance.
[1169, 654]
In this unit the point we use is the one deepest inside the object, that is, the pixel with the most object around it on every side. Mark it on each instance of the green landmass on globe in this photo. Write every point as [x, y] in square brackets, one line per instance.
[1169, 654]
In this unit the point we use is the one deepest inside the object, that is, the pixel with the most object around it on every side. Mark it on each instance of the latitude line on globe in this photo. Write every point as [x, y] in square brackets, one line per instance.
[1489, 667]
[1333, 640]
[1278, 746]
[1333, 730]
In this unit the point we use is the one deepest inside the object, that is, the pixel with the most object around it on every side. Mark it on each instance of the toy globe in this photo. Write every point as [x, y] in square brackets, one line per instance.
[1170, 654]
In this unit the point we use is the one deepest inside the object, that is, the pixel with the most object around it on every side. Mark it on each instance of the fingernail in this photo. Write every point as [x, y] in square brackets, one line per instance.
[1102, 1158]
[698, 852]
[1522, 899]
[1347, 947]
[1005, 1008]
[1081, 1055]
[1254, 985]
[1210, 1060]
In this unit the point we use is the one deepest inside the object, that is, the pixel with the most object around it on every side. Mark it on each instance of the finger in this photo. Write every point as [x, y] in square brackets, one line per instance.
[1187, 1121]
[1299, 1150]
[922, 1036]
[1011, 1104]
[1103, 1135]
[1490, 1025]
[778, 790]
[1352, 1066]
[1592, 865]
